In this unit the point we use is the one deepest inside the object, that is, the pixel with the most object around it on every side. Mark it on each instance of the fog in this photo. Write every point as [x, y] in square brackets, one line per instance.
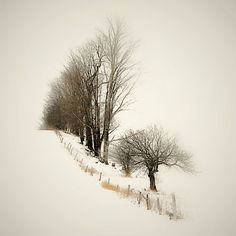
[186, 81]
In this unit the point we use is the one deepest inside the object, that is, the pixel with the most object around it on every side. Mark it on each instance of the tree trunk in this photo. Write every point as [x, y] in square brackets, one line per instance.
[127, 168]
[89, 139]
[96, 131]
[81, 134]
[82, 140]
[107, 122]
[105, 146]
[98, 152]
[151, 176]
[97, 143]
[95, 147]
[78, 134]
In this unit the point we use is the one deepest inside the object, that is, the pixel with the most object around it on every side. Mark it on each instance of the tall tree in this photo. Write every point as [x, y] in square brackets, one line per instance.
[118, 73]
[90, 60]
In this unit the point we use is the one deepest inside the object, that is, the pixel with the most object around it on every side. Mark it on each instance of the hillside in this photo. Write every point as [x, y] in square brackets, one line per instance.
[46, 193]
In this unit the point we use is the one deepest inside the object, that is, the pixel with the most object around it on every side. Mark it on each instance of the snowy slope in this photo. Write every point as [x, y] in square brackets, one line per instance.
[43, 192]
[135, 188]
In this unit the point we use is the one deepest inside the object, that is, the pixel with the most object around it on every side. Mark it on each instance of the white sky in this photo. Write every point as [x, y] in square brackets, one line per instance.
[188, 79]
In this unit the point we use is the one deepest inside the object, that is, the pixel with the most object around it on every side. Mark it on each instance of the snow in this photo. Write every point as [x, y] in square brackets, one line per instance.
[187, 85]
[46, 193]
[51, 196]
[138, 182]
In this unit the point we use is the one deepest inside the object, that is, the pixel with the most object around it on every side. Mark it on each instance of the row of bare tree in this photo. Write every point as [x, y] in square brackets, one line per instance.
[93, 88]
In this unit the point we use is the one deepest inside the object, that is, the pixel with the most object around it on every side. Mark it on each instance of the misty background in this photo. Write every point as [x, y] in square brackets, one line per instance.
[186, 83]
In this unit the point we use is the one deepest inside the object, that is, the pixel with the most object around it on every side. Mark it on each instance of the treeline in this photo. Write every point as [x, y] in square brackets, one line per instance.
[93, 88]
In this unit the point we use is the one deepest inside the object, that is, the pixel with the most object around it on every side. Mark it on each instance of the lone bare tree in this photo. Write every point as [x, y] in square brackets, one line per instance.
[152, 148]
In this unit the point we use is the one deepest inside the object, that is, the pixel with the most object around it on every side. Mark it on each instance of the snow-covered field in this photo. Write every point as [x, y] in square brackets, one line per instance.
[136, 187]
[137, 183]
[187, 85]
[44, 192]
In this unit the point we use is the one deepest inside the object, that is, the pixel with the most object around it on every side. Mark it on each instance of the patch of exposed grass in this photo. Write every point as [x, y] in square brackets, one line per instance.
[109, 186]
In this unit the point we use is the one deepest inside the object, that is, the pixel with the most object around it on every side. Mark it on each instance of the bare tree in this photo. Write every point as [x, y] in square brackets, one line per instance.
[117, 71]
[72, 106]
[152, 148]
[81, 89]
[90, 60]
[64, 108]
[122, 153]
[53, 117]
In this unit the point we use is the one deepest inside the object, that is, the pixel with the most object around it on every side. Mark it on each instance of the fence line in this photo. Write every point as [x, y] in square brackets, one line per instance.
[161, 203]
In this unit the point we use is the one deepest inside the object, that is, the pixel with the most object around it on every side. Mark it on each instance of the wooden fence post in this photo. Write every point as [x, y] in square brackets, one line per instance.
[100, 176]
[139, 197]
[158, 205]
[147, 201]
[174, 209]
[128, 190]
